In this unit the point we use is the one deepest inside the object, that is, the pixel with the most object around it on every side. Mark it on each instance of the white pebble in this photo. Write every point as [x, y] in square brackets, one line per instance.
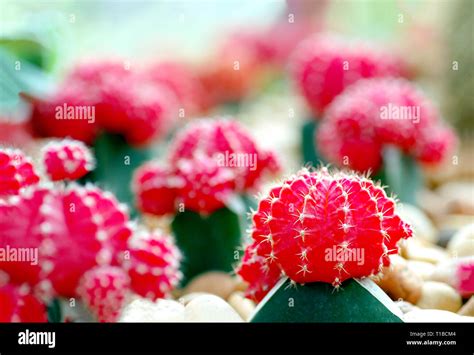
[242, 305]
[422, 226]
[144, 310]
[438, 295]
[462, 243]
[210, 308]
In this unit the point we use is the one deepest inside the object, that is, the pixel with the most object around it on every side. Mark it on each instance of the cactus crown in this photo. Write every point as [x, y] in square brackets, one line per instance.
[323, 226]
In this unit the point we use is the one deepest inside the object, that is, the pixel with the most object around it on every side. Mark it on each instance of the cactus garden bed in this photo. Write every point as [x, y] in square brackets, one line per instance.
[294, 174]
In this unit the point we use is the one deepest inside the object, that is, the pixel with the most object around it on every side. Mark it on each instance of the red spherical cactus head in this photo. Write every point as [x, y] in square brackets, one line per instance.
[69, 112]
[231, 146]
[98, 73]
[69, 230]
[156, 188]
[135, 109]
[152, 264]
[67, 160]
[209, 163]
[375, 113]
[324, 65]
[233, 74]
[207, 186]
[104, 290]
[125, 102]
[258, 270]
[18, 304]
[16, 172]
[182, 82]
[330, 227]
[20, 227]
[435, 144]
[94, 232]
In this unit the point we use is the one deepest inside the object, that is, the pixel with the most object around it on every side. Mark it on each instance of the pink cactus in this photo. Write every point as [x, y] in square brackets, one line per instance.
[434, 143]
[371, 114]
[16, 172]
[258, 268]
[125, 103]
[465, 276]
[98, 74]
[152, 264]
[67, 160]
[137, 110]
[328, 227]
[21, 219]
[207, 186]
[106, 96]
[180, 79]
[251, 42]
[209, 162]
[97, 233]
[324, 65]
[230, 145]
[277, 42]
[233, 74]
[104, 290]
[78, 239]
[199, 183]
[259, 271]
[156, 188]
[70, 112]
[74, 228]
[20, 305]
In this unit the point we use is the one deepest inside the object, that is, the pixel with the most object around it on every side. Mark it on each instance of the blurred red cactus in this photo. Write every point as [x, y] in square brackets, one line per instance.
[153, 264]
[16, 171]
[105, 96]
[67, 159]
[209, 161]
[370, 114]
[20, 305]
[104, 290]
[324, 65]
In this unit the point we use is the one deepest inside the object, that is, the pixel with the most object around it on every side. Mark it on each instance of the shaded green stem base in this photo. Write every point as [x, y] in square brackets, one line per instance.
[116, 161]
[207, 242]
[318, 302]
[54, 311]
[400, 174]
[309, 147]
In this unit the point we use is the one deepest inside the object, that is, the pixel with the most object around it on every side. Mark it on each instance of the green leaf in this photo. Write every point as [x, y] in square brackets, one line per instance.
[401, 174]
[207, 242]
[19, 77]
[116, 161]
[38, 41]
[318, 302]
[26, 49]
[309, 148]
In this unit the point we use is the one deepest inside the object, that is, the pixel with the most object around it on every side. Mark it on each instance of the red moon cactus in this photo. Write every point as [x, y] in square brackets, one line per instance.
[322, 226]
